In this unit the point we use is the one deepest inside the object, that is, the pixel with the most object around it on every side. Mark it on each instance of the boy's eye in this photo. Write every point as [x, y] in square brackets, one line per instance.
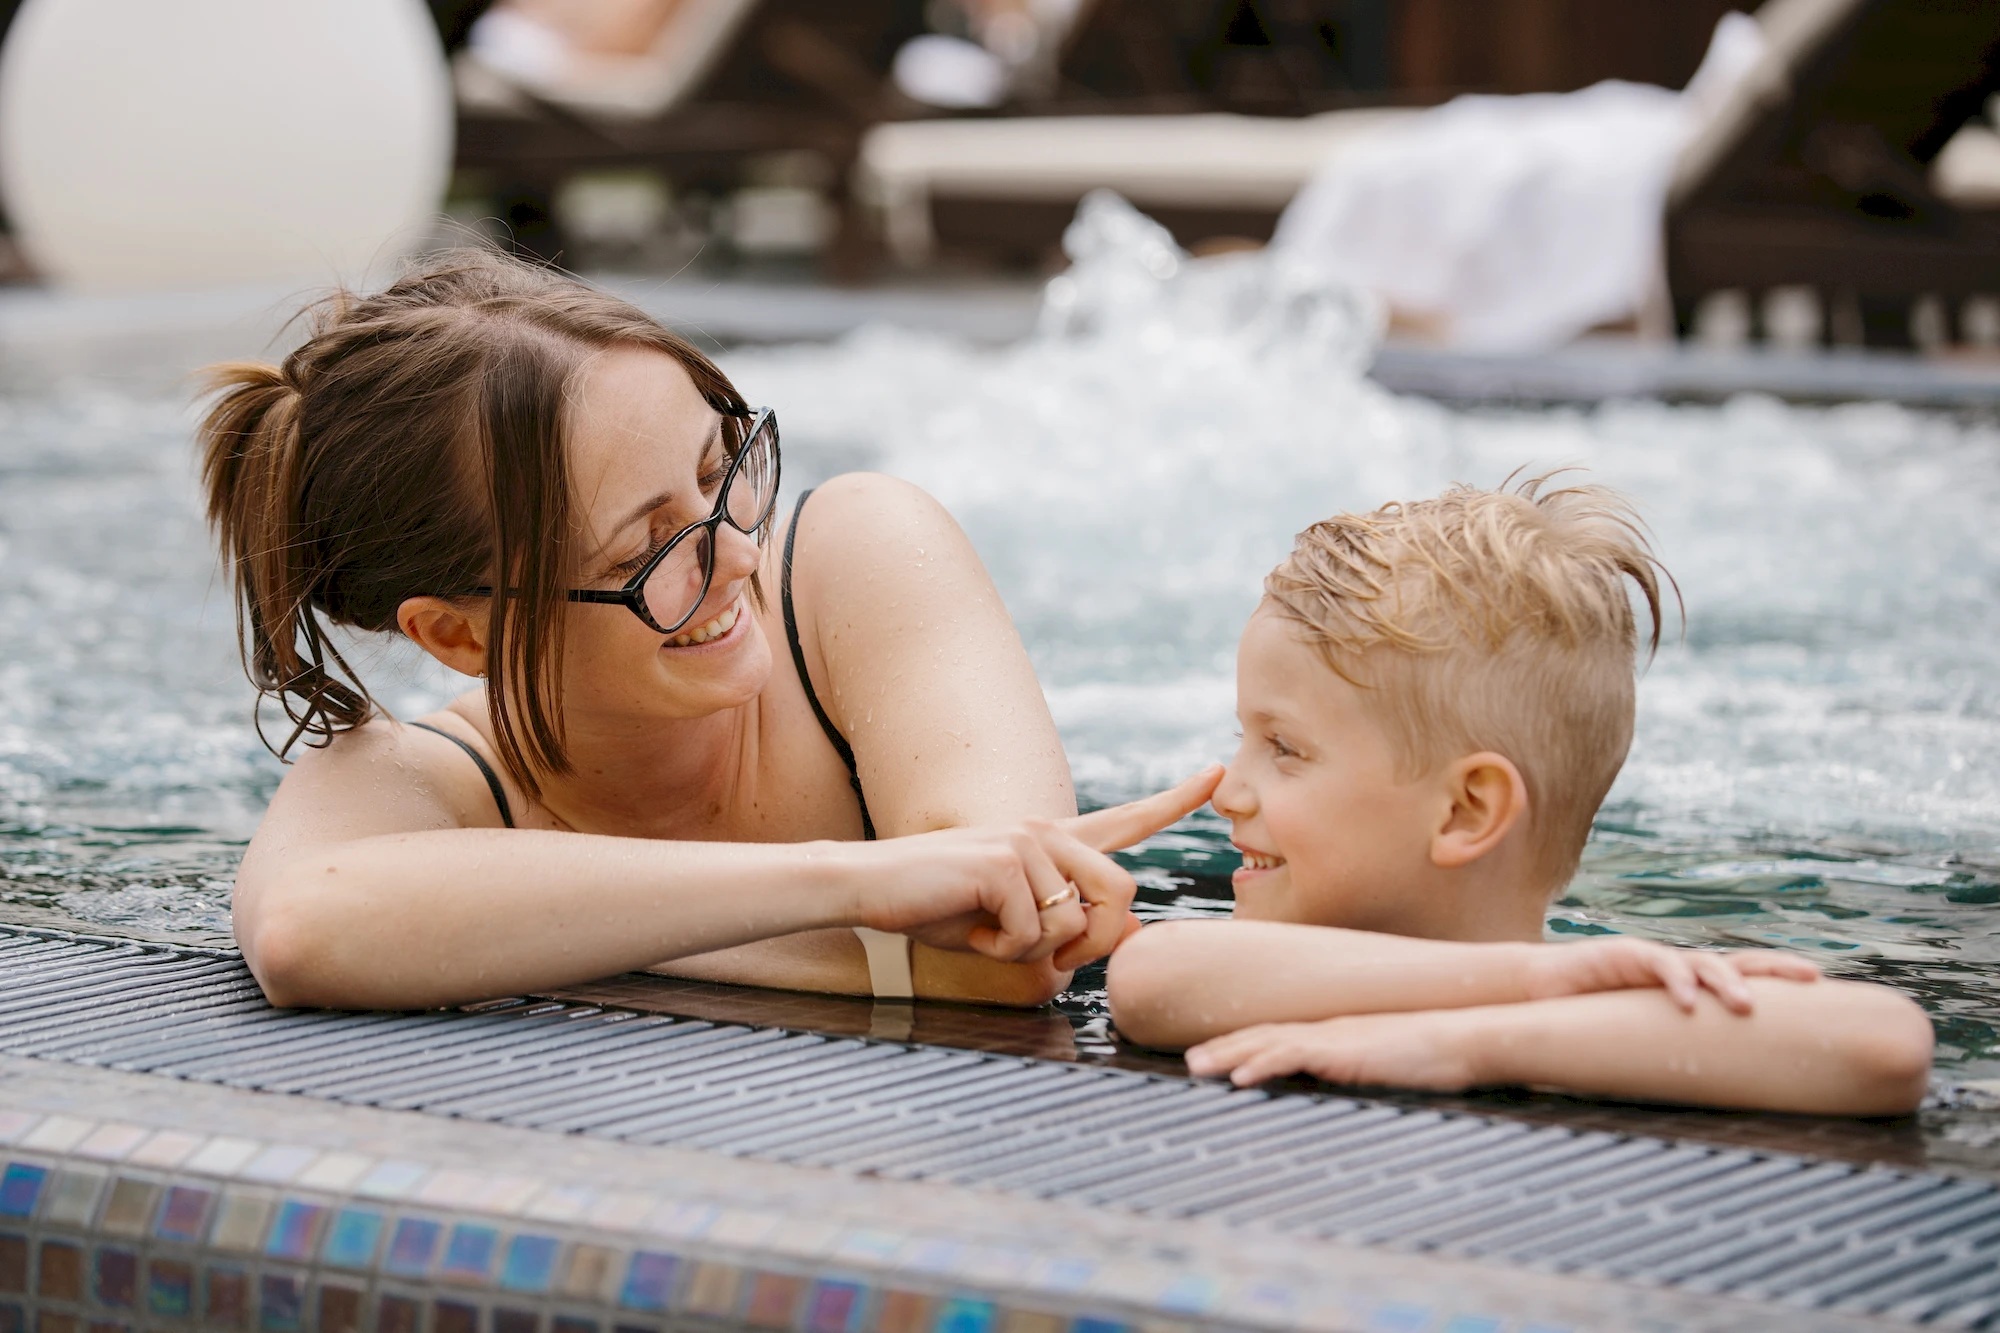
[1279, 748]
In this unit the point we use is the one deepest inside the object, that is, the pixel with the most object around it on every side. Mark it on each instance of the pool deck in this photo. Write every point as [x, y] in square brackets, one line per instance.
[172, 1149]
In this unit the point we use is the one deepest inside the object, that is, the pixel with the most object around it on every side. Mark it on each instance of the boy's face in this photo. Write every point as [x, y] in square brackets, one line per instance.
[1329, 834]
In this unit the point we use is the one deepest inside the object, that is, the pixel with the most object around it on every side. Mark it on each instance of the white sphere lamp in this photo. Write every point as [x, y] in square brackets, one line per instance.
[202, 142]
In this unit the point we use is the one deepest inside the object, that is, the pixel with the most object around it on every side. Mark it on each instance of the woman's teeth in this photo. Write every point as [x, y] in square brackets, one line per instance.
[714, 629]
[1259, 861]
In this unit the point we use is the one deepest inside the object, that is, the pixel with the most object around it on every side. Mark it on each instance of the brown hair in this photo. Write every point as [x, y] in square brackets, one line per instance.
[1489, 620]
[413, 445]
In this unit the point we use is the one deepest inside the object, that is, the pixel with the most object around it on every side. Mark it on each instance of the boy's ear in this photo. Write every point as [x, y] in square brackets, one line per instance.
[454, 635]
[1488, 796]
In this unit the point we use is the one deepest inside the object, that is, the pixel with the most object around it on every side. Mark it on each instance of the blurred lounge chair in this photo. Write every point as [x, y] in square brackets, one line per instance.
[729, 81]
[1827, 174]
[1008, 186]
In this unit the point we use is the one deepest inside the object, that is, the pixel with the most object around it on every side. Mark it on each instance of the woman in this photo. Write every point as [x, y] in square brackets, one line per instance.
[698, 708]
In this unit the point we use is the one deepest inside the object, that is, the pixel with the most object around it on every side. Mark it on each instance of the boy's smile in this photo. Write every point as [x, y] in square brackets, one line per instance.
[1328, 833]
[1333, 834]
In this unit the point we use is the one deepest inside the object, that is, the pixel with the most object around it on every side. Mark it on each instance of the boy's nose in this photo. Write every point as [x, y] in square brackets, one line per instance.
[1234, 798]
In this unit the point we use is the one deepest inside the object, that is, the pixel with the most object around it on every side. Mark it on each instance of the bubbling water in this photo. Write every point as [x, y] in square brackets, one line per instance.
[1817, 760]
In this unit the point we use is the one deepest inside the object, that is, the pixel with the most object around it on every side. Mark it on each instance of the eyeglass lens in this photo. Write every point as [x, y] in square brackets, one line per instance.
[680, 581]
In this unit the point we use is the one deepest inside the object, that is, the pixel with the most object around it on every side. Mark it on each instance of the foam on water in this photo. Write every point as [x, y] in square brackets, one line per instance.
[1817, 763]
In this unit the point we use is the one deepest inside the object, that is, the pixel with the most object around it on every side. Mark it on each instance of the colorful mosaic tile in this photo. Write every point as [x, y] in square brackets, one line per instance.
[58, 1133]
[13, 1264]
[115, 1277]
[340, 1308]
[170, 1287]
[130, 1206]
[468, 1257]
[1033, 1321]
[165, 1150]
[962, 1315]
[295, 1231]
[397, 1313]
[507, 1319]
[454, 1317]
[353, 1238]
[20, 1188]
[1401, 1317]
[774, 1300]
[835, 1307]
[392, 1180]
[73, 1197]
[277, 1165]
[48, 1321]
[1091, 1324]
[589, 1272]
[59, 1272]
[183, 1213]
[13, 1318]
[241, 1221]
[13, 1124]
[222, 1156]
[572, 1323]
[334, 1171]
[412, 1247]
[530, 1264]
[712, 1289]
[904, 1312]
[281, 1303]
[111, 1142]
[226, 1297]
[1479, 1323]
[649, 1282]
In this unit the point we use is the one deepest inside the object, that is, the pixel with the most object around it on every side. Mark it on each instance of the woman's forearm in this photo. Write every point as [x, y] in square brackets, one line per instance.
[1180, 982]
[1827, 1048]
[832, 961]
[443, 917]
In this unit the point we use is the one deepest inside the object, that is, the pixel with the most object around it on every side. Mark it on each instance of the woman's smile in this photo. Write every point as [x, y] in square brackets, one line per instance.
[713, 631]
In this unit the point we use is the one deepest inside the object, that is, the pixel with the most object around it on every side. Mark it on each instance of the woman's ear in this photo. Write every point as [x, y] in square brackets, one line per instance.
[1488, 797]
[455, 635]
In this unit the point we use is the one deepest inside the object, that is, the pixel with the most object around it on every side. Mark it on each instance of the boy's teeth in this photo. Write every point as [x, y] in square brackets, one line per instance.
[1258, 861]
[714, 629]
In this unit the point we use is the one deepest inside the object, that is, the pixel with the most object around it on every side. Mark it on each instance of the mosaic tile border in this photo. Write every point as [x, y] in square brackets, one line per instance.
[112, 1225]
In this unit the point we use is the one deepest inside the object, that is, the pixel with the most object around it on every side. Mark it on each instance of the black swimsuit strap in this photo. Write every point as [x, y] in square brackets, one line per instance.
[840, 745]
[485, 769]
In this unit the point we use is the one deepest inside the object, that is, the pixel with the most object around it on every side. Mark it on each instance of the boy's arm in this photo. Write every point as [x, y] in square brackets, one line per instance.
[1829, 1048]
[1180, 982]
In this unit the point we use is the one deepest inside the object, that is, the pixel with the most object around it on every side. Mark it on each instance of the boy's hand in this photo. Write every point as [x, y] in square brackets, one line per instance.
[1426, 1049]
[1627, 964]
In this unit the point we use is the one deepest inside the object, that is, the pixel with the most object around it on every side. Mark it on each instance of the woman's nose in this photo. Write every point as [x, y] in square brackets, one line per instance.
[736, 554]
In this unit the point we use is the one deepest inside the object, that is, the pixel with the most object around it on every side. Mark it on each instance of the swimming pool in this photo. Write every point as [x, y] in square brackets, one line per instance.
[1817, 764]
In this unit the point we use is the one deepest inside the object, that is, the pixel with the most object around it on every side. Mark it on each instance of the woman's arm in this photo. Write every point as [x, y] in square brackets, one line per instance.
[361, 890]
[1180, 982]
[921, 669]
[1829, 1048]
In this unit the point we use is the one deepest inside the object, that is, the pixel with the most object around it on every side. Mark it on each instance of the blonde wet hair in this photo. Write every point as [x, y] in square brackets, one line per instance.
[1494, 620]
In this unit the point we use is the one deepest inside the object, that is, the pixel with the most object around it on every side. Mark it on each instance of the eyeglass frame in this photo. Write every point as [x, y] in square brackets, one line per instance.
[633, 595]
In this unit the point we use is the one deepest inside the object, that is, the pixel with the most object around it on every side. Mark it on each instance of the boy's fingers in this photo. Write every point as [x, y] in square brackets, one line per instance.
[1677, 978]
[1720, 976]
[1774, 963]
[1122, 825]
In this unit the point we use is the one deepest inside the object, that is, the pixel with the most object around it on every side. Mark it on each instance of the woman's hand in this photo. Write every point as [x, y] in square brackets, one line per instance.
[1555, 970]
[1426, 1050]
[1021, 892]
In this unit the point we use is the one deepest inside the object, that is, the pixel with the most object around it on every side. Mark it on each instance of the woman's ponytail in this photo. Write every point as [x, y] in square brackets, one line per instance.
[252, 470]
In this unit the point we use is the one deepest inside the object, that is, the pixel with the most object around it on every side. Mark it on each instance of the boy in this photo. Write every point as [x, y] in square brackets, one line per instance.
[1435, 698]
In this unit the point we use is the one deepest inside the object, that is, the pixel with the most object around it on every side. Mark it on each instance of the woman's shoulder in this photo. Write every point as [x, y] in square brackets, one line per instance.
[862, 521]
[388, 767]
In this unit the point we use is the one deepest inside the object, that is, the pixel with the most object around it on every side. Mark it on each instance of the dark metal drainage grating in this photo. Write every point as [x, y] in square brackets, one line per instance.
[1757, 1225]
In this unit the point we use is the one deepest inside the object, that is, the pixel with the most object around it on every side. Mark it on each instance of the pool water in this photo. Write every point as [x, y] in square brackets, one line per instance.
[1817, 761]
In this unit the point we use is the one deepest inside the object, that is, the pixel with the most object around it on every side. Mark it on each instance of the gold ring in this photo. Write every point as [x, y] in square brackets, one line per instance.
[1068, 894]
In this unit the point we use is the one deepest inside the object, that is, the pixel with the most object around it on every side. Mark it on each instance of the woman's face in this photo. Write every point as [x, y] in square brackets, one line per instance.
[647, 459]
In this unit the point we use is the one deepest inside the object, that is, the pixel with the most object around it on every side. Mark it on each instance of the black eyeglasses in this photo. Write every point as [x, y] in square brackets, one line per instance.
[670, 587]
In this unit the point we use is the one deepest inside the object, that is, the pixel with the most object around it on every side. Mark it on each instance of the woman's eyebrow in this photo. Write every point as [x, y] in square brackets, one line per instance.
[648, 505]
